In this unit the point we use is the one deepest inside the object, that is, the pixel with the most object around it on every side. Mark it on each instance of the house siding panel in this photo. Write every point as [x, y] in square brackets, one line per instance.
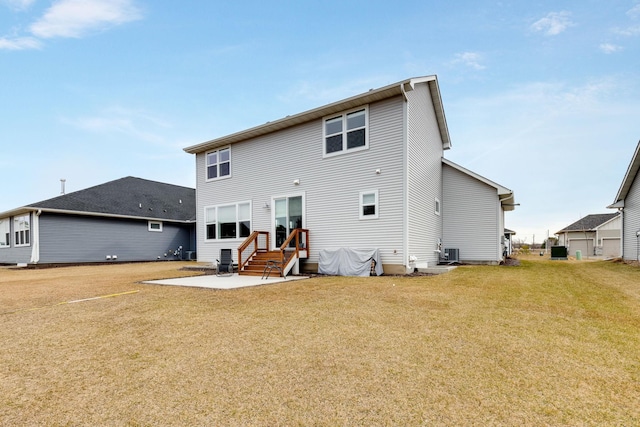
[66, 238]
[265, 167]
[472, 218]
[631, 219]
[424, 147]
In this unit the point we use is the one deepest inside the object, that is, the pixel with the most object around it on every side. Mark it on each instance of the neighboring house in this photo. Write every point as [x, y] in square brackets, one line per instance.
[473, 214]
[129, 219]
[508, 241]
[627, 201]
[597, 234]
[366, 172]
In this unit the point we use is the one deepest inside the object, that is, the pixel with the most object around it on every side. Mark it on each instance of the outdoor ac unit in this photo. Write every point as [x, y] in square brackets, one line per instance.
[452, 255]
[189, 256]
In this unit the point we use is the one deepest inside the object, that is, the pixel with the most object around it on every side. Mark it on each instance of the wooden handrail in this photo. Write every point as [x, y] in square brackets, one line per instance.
[252, 244]
[296, 234]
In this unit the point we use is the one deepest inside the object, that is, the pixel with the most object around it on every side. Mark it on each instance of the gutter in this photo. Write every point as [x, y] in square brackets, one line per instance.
[108, 215]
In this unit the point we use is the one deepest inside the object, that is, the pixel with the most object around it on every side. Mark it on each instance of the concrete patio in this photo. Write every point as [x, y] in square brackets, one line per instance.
[212, 281]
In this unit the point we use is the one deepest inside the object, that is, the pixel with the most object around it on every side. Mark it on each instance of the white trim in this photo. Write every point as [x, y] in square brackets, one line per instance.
[273, 213]
[4, 233]
[344, 131]
[238, 220]
[26, 232]
[376, 204]
[150, 225]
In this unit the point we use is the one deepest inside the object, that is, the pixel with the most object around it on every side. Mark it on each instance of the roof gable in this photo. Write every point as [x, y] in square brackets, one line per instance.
[589, 222]
[127, 197]
[507, 198]
[372, 95]
[629, 177]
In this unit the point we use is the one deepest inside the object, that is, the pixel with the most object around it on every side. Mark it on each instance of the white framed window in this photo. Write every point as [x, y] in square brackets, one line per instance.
[369, 204]
[346, 132]
[228, 221]
[21, 230]
[155, 226]
[436, 209]
[218, 163]
[5, 233]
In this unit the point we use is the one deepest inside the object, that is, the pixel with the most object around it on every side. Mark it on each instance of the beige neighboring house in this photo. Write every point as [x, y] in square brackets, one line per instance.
[593, 235]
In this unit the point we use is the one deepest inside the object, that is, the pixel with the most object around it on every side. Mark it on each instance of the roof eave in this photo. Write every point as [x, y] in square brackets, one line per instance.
[506, 196]
[108, 215]
[629, 177]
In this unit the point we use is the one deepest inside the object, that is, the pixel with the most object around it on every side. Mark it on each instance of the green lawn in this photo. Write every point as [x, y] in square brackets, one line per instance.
[544, 343]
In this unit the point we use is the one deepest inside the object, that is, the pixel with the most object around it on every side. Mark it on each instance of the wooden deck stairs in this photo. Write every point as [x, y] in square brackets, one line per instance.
[254, 255]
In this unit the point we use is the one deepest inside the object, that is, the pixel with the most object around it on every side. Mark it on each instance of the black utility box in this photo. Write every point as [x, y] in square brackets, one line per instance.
[559, 252]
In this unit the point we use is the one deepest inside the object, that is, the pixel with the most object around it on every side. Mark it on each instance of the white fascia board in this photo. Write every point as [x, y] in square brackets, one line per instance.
[617, 205]
[18, 211]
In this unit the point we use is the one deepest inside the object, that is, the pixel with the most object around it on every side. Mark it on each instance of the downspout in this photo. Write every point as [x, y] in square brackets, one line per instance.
[621, 210]
[35, 243]
[404, 92]
[405, 228]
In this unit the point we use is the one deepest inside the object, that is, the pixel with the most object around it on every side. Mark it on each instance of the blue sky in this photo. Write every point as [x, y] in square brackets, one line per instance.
[542, 97]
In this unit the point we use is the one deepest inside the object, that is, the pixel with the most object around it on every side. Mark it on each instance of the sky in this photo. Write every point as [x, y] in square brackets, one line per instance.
[541, 97]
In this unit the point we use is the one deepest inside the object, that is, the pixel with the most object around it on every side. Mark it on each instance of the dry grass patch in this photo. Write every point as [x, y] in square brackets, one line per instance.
[546, 343]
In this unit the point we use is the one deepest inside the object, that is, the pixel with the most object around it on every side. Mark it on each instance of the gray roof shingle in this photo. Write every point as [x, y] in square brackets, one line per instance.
[129, 196]
[589, 222]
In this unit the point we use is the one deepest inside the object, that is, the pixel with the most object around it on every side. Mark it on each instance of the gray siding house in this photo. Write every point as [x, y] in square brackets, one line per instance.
[627, 201]
[595, 234]
[366, 172]
[473, 215]
[129, 219]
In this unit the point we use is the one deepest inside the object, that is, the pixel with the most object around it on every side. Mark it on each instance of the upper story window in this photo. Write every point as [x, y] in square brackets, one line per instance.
[5, 233]
[21, 230]
[228, 221]
[346, 132]
[218, 163]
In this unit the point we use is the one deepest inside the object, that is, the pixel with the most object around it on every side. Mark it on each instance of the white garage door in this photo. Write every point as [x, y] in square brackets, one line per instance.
[583, 245]
[611, 248]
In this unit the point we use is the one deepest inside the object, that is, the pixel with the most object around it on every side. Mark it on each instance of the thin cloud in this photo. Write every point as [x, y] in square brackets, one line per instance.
[634, 12]
[553, 24]
[19, 43]
[628, 32]
[134, 123]
[609, 48]
[76, 18]
[469, 59]
[17, 4]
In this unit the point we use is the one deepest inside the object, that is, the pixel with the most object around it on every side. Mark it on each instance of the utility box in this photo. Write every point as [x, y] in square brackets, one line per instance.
[559, 252]
[450, 255]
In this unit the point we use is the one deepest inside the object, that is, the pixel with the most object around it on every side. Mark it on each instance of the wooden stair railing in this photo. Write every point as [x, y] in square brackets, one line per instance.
[254, 251]
[258, 241]
[301, 238]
